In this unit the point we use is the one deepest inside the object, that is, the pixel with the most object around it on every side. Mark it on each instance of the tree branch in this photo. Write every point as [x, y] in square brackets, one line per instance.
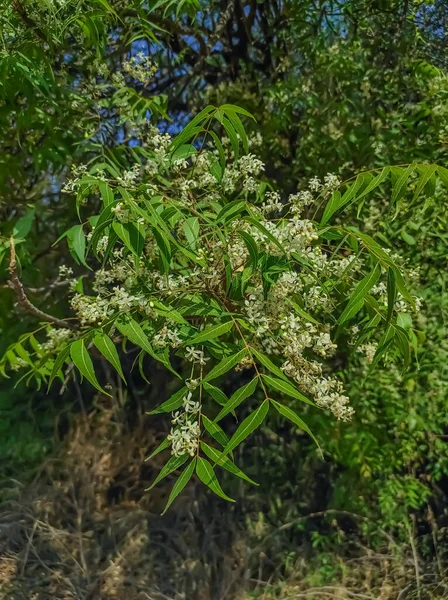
[16, 285]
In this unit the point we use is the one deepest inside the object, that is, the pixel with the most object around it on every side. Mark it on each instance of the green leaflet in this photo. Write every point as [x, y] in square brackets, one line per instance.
[179, 485]
[291, 416]
[241, 394]
[427, 172]
[225, 365]
[400, 185]
[162, 446]
[267, 362]
[249, 425]
[251, 246]
[132, 330]
[210, 333]
[216, 393]
[391, 293]
[356, 301]
[132, 235]
[286, 388]
[83, 362]
[206, 474]
[224, 462]
[78, 243]
[191, 230]
[106, 192]
[107, 348]
[173, 403]
[57, 366]
[24, 224]
[174, 463]
[215, 431]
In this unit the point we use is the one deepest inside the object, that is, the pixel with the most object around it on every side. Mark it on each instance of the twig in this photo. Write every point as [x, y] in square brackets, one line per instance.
[16, 285]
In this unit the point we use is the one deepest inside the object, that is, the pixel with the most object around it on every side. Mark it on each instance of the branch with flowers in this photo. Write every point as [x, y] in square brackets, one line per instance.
[200, 257]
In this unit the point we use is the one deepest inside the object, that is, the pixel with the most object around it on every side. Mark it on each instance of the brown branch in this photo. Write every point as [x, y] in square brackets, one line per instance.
[28, 21]
[16, 285]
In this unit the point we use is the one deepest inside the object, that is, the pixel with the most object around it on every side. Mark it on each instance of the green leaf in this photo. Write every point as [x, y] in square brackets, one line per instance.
[399, 187]
[251, 245]
[107, 193]
[265, 232]
[286, 388]
[210, 333]
[132, 330]
[225, 365]
[191, 230]
[356, 301]
[215, 431]
[181, 482]
[78, 241]
[83, 362]
[173, 402]
[267, 362]
[206, 474]
[239, 396]
[164, 248]
[132, 235]
[291, 416]
[224, 462]
[24, 224]
[391, 293]
[57, 366]
[249, 425]
[216, 393]
[107, 348]
[336, 202]
[164, 444]
[427, 173]
[174, 463]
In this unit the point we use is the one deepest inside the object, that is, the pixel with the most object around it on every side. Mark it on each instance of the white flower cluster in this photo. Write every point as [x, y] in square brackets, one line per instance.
[140, 67]
[184, 435]
[55, 337]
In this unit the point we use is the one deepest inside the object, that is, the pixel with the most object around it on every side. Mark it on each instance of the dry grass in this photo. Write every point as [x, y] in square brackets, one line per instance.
[86, 530]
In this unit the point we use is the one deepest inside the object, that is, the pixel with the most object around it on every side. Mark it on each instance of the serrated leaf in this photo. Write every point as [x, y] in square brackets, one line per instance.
[78, 241]
[174, 463]
[224, 462]
[132, 330]
[216, 393]
[107, 193]
[428, 172]
[391, 293]
[267, 362]
[357, 298]
[132, 235]
[206, 474]
[173, 402]
[210, 333]
[180, 483]
[225, 365]
[235, 400]
[291, 416]
[286, 388]
[191, 229]
[57, 365]
[251, 246]
[215, 431]
[107, 348]
[249, 425]
[83, 362]
[24, 224]
[399, 187]
[164, 444]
